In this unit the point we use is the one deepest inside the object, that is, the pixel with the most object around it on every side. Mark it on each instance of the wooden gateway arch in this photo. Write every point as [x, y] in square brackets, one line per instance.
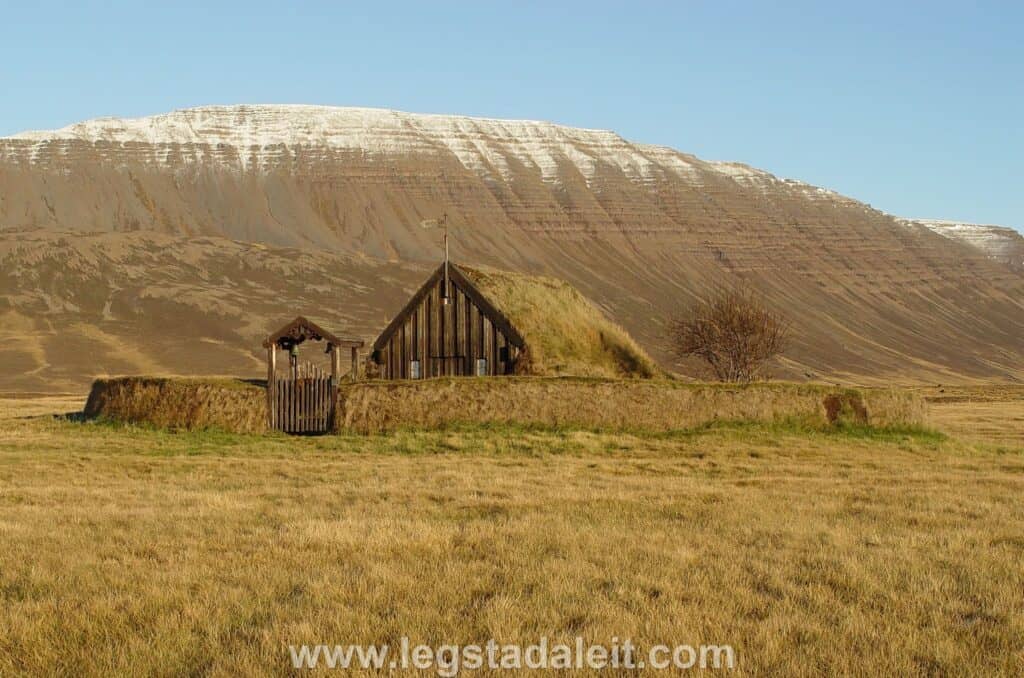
[304, 398]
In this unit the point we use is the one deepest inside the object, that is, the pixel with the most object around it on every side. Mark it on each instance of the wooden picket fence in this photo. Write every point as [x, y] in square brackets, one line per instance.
[303, 403]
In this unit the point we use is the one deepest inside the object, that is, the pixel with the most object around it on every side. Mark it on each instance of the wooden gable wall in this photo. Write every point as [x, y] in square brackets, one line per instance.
[447, 339]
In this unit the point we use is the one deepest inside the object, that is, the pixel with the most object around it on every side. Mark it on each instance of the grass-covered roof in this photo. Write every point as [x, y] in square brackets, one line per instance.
[565, 334]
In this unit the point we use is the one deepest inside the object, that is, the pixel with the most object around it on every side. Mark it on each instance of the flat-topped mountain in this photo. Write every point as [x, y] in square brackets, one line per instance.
[339, 193]
[261, 138]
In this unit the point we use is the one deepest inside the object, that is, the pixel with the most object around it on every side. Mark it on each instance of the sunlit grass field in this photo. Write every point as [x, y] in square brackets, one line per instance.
[128, 551]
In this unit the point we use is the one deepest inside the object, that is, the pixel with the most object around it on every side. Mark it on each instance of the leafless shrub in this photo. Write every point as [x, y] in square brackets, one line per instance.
[734, 331]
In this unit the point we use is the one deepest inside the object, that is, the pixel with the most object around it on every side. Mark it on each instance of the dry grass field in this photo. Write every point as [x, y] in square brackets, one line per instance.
[989, 413]
[130, 551]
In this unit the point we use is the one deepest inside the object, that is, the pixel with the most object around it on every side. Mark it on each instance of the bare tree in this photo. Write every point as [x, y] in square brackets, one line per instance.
[734, 331]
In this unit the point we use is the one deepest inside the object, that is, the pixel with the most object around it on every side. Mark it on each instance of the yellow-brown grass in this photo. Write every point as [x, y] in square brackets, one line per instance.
[564, 332]
[127, 551]
[992, 413]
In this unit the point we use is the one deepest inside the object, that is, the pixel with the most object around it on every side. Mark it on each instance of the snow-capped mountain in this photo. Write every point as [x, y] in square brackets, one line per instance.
[260, 138]
[999, 242]
[113, 231]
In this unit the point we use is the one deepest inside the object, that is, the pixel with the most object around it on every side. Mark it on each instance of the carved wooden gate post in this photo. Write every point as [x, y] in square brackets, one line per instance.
[271, 383]
[335, 375]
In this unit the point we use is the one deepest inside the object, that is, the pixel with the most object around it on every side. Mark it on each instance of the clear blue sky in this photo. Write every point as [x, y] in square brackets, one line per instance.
[916, 108]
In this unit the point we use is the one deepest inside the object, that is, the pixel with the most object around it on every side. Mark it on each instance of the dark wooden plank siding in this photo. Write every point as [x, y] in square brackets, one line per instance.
[447, 339]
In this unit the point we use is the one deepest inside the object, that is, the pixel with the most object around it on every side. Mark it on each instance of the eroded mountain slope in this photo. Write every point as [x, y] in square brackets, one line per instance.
[998, 242]
[639, 229]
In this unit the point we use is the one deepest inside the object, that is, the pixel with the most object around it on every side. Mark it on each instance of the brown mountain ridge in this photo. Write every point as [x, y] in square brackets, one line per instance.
[171, 244]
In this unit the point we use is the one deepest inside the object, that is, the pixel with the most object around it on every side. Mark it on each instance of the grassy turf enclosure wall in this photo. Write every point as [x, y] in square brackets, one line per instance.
[615, 404]
[179, 403]
[661, 405]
